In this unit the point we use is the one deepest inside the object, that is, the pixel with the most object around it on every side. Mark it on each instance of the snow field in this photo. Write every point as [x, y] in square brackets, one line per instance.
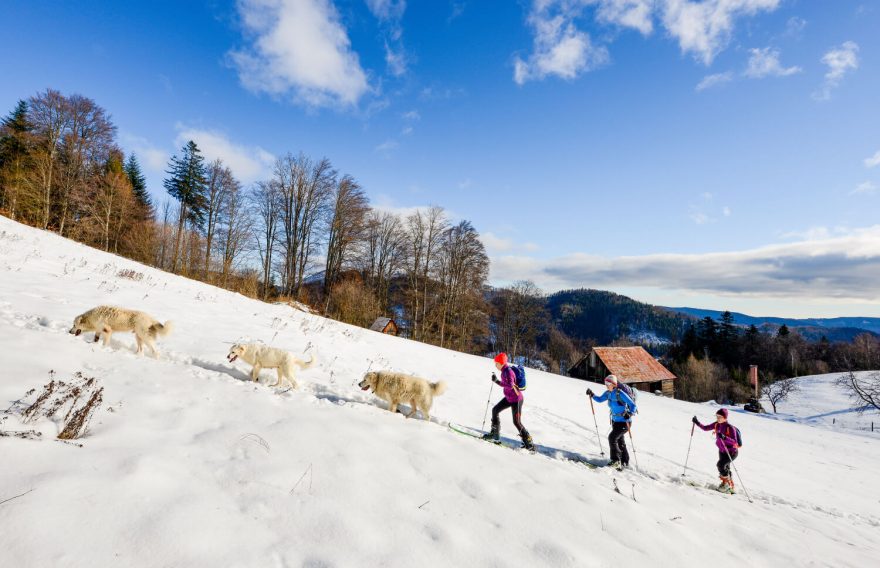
[197, 466]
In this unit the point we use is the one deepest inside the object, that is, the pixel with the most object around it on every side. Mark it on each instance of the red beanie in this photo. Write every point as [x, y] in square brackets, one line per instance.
[501, 358]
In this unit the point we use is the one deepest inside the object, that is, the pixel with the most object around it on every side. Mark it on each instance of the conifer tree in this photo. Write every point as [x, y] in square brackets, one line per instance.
[14, 149]
[138, 185]
[187, 184]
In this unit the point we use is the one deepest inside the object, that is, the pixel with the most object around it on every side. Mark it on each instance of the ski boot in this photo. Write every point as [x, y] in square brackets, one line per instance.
[616, 465]
[527, 443]
[726, 485]
[494, 434]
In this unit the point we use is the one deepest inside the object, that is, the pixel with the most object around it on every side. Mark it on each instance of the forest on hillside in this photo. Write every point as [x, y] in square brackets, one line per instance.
[308, 234]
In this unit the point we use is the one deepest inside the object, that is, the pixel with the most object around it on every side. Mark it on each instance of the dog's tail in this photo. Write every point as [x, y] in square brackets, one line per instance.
[438, 388]
[306, 364]
[161, 329]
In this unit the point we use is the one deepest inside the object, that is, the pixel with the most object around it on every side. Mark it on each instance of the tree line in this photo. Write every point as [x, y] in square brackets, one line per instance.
[307, 233]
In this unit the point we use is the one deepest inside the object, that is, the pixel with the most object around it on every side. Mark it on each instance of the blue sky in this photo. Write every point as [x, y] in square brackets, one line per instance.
[721, 154]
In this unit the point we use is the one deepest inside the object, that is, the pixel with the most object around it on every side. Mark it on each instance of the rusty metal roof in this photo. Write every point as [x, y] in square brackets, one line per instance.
[632, 364]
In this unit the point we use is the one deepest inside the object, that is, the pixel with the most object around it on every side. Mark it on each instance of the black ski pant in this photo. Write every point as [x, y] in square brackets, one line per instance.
[724, 459]
[504, 404]
[617, 443]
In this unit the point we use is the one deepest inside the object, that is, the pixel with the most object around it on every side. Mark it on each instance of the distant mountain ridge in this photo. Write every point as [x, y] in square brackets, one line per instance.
[835, 329]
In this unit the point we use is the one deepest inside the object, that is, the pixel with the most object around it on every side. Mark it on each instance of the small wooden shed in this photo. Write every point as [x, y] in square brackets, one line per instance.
[385, 325]
[631, 365]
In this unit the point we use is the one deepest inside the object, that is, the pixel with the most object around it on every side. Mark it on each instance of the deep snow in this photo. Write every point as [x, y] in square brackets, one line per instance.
[197, 466]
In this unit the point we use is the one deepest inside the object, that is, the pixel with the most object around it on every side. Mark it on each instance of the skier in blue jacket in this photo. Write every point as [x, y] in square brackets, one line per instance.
[622, 408]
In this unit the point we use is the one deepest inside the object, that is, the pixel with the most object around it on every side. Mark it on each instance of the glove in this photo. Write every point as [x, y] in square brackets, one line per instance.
[694, 420]
[589, 392]
[494, 378]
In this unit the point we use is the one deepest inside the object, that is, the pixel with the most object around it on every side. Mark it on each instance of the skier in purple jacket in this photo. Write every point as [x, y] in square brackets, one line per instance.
[513, 399]
[727, 439]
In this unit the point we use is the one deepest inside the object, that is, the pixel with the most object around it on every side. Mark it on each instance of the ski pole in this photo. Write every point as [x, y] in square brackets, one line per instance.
[736, 471]
[488, 401]
[598, 437]
[631, 441]
[684, 473]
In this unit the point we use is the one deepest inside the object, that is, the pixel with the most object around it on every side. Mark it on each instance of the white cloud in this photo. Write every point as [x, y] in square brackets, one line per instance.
[873, 161]
[795, 26]
[248, 163]
[389, 13]
[765, 63]
[412, 115]
[840, 61]
[559, 47]
[387, 147]
[151, 157]
[838, 267]
[298, 48]
[466, 183]
[563, 49]
[714, 80]
[496, 244]
[627, 13]
[864, 188]
[726, 211]
[704, 28]
[700, 218]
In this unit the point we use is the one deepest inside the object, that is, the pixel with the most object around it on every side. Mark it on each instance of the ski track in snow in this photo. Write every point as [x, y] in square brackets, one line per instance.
[196, 465]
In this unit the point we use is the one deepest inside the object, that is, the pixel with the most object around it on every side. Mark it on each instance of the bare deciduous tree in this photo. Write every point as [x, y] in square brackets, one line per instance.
[233, 229]
[347, 225]
[382, 253]
[863, 389]
[220, 183]
[521, 315]
[305, 187]
[47, 112]
[424, 233]
[266, 198]
[464, 267]
[779, 391]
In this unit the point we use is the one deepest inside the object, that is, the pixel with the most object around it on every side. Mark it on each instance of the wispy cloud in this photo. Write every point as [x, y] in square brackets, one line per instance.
[704, 28]
[795, 26]
[714, 80]
[864, 188]
[841, 267]
[495, 244]
[764, 62]
[840, 61]
[873, 161]
[389, 13]
[248, 163]
[387, 147]
[298, 48]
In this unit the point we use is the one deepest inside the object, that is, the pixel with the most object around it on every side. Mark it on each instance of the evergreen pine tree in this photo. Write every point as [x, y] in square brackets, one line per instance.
[783, 331]
[14, 150]
[138, 184]
[188, 185]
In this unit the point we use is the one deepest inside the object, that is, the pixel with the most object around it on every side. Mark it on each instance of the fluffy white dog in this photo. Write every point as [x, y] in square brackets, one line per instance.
[104, 320]
[398, 387]
[265, 357]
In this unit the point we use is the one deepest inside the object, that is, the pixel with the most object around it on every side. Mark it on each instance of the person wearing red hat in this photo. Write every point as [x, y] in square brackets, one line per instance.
[513, 399]
[728, 440]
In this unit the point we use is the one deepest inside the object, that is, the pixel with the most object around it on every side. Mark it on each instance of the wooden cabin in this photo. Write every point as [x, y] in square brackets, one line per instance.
[385, 325]
[631, 365]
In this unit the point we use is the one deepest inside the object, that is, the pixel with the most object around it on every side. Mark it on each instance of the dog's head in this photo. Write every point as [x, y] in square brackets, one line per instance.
[235, 352]
[77, 326]
[369, 381]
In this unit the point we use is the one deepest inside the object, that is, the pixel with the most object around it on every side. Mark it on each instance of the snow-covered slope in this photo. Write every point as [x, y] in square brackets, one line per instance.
[197, 466]
[820, 402]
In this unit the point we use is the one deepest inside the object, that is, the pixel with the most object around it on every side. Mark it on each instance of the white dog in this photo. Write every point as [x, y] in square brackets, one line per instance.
[107, 319]
[262, 356]
[398, 387]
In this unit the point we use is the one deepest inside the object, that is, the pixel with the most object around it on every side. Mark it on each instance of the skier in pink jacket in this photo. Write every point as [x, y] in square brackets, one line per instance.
[513, 399]
[728, 440]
